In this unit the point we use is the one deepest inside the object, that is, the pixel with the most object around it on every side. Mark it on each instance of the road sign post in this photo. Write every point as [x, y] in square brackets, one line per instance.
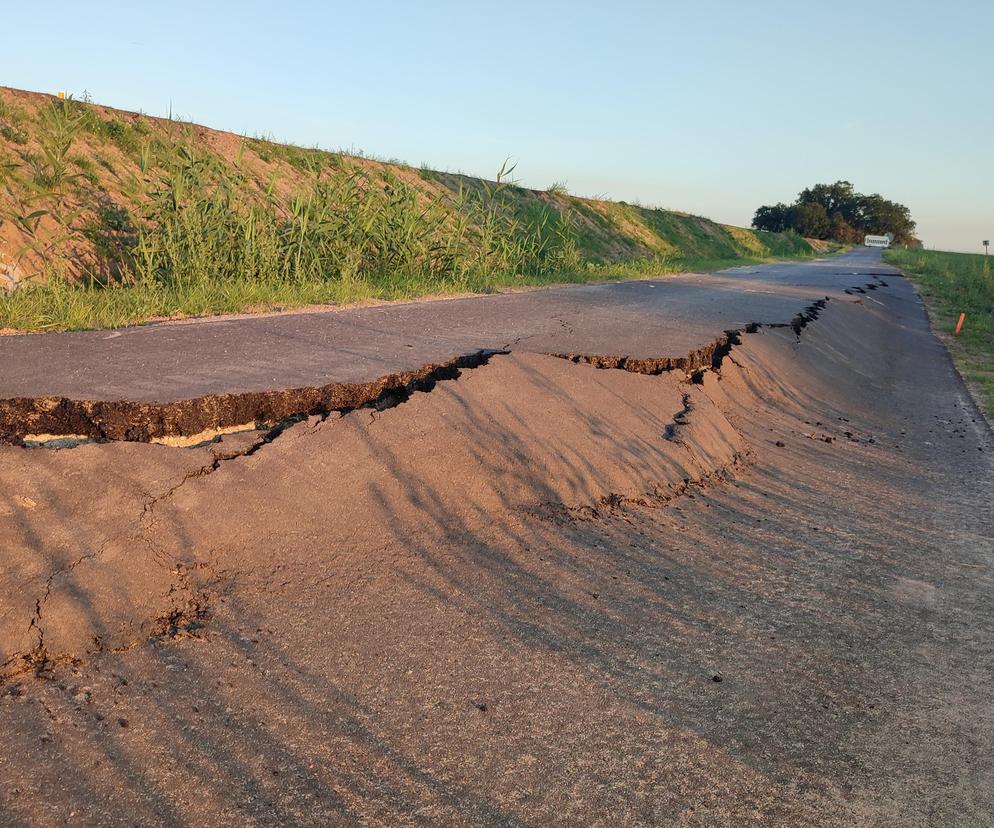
[987, 243]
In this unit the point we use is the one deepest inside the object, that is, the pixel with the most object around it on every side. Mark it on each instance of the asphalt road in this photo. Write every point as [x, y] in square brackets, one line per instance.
[648, 318]
[538, 593]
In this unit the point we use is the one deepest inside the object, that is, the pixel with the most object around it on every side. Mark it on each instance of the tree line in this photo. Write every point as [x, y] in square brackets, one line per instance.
[837, 212]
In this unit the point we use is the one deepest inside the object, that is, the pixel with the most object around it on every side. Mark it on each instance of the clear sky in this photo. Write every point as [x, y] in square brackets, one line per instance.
[710, 107]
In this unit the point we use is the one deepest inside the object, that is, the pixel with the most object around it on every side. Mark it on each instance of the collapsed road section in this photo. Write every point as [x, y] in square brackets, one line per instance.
[60, 421]
[699, 444]
[198, 420]
[135, 384]
[541, 593]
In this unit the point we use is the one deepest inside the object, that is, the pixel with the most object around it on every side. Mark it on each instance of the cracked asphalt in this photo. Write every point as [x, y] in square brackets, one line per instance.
[537, 592]
[650, 318]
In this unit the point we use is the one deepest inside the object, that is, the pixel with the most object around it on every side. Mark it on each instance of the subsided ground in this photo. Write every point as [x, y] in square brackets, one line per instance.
[540, 592]
[178, 379]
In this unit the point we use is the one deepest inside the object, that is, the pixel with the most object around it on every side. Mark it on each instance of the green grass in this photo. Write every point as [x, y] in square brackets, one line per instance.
[62, 306]
[176, 228]
[951, 284]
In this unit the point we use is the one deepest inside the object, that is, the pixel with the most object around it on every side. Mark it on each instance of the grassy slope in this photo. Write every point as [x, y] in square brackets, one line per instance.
[85, 195]
[951, 284]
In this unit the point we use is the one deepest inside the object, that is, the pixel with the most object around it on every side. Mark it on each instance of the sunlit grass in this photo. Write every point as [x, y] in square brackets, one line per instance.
[62, 306]
[195, 233]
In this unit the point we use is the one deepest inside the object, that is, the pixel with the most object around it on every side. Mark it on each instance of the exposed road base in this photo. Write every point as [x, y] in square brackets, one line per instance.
[50, 419]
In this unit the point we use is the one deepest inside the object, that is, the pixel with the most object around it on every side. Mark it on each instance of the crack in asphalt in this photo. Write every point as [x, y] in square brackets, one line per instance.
[187, 617]
[131, 421]
[679, 420]
[276, 410]
[696, 364]
[700, 360]
[612, 502]
[37, 659]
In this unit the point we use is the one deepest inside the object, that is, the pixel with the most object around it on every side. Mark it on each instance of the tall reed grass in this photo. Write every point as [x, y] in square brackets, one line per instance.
[206, 223]
[191, 232]
[208, 239]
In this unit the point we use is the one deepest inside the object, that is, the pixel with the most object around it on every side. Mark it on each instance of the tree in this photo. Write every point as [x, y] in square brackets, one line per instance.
[810, 219]
[836, 211]
[880, 216]
[842, 231]
[838, 199]
[773, 218]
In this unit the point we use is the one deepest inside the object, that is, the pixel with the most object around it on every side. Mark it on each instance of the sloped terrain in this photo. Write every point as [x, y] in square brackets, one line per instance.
[89, 191]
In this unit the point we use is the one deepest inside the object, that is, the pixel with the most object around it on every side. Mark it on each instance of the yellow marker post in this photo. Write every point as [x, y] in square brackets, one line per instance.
[62, 95]
[959, 325]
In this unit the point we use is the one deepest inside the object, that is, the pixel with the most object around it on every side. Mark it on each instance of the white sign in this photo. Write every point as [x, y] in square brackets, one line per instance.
[876, 241]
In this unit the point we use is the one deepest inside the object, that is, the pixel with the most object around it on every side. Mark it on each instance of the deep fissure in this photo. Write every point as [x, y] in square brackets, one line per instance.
[268, 411]
[271, 412]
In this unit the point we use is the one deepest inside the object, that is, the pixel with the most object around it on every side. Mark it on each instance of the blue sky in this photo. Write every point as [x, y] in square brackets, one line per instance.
[710, 107]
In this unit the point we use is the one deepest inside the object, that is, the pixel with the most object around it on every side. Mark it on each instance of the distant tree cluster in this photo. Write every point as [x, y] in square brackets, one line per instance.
[837, 212]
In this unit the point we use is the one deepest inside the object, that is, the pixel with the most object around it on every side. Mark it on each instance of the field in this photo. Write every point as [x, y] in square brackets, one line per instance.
[951, 284]
[110, 218]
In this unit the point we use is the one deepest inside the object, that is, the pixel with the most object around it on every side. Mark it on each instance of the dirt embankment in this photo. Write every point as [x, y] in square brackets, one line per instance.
[73, 190]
